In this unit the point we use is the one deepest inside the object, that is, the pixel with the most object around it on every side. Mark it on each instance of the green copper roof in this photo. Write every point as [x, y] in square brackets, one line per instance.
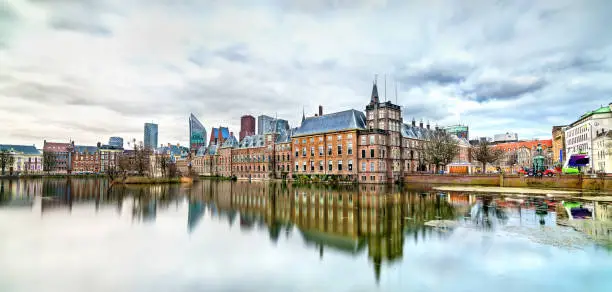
[601, 110]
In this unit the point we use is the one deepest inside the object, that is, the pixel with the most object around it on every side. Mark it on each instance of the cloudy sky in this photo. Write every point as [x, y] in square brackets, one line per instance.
[90, 69]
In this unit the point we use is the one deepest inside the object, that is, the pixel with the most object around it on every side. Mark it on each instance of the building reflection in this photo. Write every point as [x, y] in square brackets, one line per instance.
[348, 219]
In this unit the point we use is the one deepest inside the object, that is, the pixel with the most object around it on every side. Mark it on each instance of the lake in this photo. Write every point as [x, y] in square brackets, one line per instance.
[76, 235]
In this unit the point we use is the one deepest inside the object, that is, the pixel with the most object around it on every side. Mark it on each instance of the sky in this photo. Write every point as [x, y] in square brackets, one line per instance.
[90, 69]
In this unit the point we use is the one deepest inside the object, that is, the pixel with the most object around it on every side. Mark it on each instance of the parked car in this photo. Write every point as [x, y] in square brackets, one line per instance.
[550, 172]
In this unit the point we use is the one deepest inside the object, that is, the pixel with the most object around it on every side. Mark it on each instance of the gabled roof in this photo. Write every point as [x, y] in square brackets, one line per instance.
[174, 150]
[416, 132]
[82, 149]
[339, 121]
[230, 142]
[252, 141]
[57, 147]
[22, 149]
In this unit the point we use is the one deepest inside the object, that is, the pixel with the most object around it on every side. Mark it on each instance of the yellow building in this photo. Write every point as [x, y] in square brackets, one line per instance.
[26, 159]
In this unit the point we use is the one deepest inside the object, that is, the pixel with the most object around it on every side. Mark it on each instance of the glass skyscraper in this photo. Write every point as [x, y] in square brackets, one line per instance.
[197, 134]
[150, 136]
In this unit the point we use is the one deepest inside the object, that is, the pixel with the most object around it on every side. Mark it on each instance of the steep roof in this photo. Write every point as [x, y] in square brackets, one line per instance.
[339, 121]
[82, 149]
[415, 132]
[230, 142]
[374, 97]
[23, 149]
[252, 141]
[57, 147]
[528, 144]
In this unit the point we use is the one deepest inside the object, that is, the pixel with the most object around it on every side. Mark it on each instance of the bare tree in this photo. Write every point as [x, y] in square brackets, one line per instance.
[6, 160]
[162, 161]
[441, 149]
[48, 161]
[485, 153]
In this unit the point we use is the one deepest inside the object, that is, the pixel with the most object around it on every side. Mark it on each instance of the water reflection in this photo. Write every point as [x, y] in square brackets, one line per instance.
[351, 220]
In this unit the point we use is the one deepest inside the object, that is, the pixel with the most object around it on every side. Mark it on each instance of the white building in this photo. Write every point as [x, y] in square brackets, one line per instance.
[26, 159]
[580, 134]
[602, 151]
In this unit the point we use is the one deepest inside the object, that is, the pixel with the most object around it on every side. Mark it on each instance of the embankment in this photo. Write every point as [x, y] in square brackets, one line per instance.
[601, 183]
[153, 180]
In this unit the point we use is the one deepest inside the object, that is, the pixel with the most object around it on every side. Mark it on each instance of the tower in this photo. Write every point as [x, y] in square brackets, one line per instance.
[385, 119]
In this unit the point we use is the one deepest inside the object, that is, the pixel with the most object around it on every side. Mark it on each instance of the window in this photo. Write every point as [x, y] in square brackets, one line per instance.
[339, 149]
[304, 151]
[311, 139]
[339, 165]
[363, 166]
[363, 153]
[372, 178]
[372, 139]
[329, 149]
[320, 139]
[312, 166]
[363, 140]
[320, 165]
[320, 150]
[311, 151]
[330, 165]
[381, 124]
[297, 153]
[350, 165]
[303, 141]
[371, 166]
[296, 167]
[371, 153]
[304, 166]
[329, 138]
[339, 137]
[349, 136]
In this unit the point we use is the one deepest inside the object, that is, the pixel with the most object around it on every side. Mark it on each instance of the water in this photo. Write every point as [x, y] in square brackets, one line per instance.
[221, 236]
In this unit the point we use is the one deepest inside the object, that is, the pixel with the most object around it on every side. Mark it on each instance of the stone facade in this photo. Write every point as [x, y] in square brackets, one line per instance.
[27, 159]
[558, 143]
[62, 156]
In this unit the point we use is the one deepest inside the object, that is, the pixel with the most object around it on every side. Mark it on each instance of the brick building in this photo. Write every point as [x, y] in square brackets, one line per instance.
[86, 159]
[61, 153]
[520, 154]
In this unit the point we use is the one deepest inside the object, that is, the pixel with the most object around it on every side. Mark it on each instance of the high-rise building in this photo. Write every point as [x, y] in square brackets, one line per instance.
[115, 142]
[247, 126]
[267, 124]
[461, 131]
[150, 135]
[197, 134]
[218, 135]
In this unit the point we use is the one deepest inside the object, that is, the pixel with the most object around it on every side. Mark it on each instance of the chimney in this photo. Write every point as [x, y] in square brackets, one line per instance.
[219, 136]
[99, 144]
[413, 122]
[421, 124]
[427, 125]
[169, 145]
[321, 110]
[178, 144]
[231, 134]
[437, 128]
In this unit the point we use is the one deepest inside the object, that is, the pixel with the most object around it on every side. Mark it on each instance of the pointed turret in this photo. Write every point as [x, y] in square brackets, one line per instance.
[303, 115]
[374, 98]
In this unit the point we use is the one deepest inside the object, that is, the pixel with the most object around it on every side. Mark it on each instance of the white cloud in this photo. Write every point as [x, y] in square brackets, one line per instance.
[85, 65]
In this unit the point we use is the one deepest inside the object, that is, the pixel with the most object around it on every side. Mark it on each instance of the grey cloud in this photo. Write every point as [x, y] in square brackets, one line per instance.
[436, 73]
[235, 53]
[80, 26]
[502, 89]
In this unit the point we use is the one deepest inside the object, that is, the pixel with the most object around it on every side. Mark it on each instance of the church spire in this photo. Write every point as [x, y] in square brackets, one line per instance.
[374, 98]
[303, 115]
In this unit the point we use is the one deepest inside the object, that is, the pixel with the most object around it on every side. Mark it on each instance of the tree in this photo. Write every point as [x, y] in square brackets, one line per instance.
[162, 161]
[48, 161]
[485, 153]
[6, 160]
[441, 149]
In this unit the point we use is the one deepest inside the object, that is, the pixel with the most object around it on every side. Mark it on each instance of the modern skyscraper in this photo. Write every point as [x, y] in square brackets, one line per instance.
[115, 142]
[266, 124]
[150, 135]
[197, 134]
[247, 126]
[461, 131]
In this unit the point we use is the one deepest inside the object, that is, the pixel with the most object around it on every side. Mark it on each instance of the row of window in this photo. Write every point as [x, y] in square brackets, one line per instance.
[330, 166]
[329, 150]
[320, 138]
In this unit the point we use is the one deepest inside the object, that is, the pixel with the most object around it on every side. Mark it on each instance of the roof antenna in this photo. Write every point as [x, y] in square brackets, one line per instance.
[375, 79]
[395, 81]
[385, 87]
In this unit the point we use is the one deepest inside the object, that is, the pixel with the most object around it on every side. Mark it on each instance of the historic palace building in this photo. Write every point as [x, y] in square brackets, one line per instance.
[371, 147]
